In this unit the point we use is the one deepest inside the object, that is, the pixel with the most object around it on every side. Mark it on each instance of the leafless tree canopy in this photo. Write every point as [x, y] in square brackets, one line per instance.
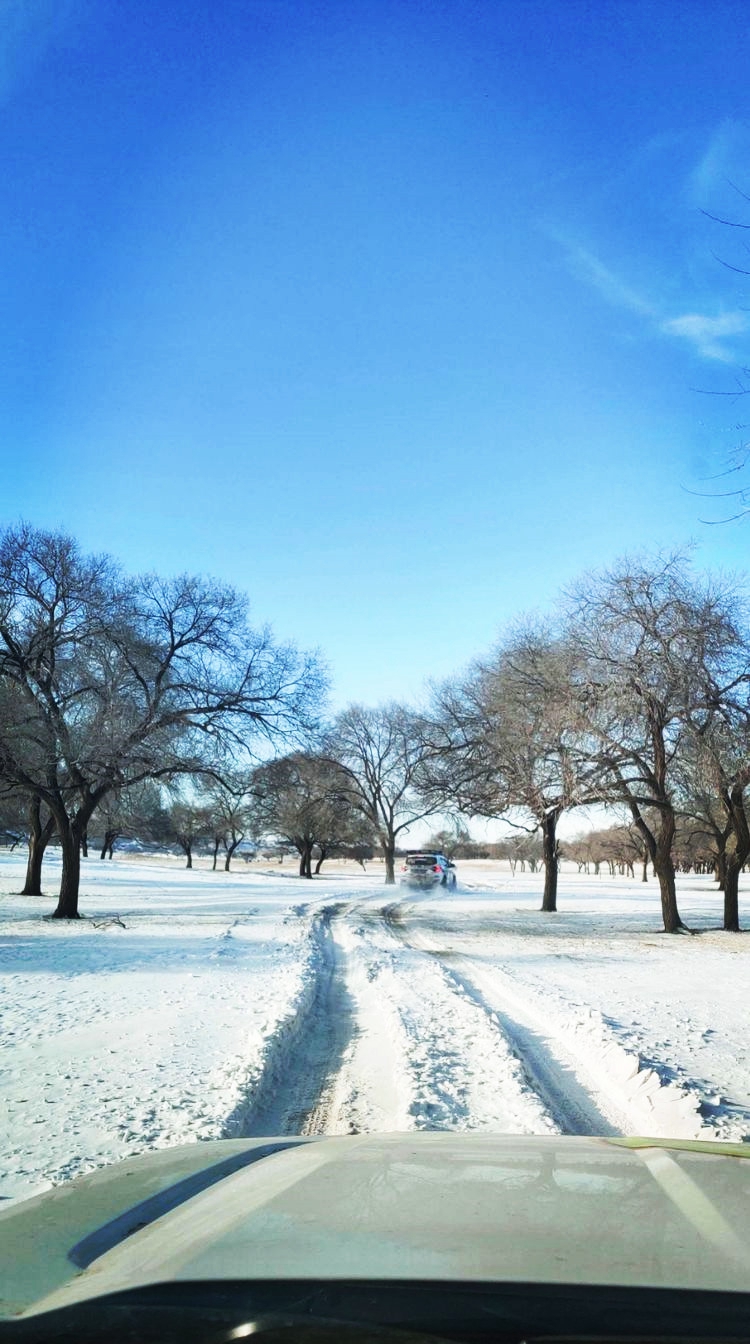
[655, 647]
[381, 753]
[638, 699]
[303, 800]
[107, 681]
[504, 739]
[115, 689]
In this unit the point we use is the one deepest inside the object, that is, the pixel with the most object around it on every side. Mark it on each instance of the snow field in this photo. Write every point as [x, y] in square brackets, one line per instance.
[116, 1040]
[232, 1002]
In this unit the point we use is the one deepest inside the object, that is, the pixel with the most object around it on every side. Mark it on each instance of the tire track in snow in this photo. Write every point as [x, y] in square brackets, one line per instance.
[294, 1093]
[552, 1071]
[382, 1040]
[462, 1072]
[466, 1056]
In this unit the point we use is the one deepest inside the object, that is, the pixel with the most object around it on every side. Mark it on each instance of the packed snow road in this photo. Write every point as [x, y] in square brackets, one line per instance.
[460, 1054]
[417, 1052]
[200, 1005]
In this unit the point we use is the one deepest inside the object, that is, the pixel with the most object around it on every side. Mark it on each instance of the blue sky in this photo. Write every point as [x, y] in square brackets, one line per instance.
[398, 316]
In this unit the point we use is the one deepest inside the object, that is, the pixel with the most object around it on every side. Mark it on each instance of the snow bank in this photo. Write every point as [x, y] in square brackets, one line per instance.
[652, 1106]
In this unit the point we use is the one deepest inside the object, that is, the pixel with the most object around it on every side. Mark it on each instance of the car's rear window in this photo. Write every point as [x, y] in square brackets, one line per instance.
[420, 860]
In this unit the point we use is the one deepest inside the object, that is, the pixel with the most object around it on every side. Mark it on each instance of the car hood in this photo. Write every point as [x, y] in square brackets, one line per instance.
[431, 1206]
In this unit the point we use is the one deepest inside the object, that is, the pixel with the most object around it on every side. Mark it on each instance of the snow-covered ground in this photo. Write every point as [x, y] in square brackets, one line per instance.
[191, 1005]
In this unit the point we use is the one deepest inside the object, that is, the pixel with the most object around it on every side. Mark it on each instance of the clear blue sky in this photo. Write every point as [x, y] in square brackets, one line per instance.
[391, 313]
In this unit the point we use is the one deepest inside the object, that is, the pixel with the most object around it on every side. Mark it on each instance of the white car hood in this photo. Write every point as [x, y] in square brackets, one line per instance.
[417, 1206]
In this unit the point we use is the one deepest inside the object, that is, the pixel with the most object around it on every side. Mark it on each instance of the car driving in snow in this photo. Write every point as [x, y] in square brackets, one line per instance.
[422, 868]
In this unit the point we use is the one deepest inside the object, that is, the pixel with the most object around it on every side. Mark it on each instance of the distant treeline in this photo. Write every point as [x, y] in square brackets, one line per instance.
[150, 709]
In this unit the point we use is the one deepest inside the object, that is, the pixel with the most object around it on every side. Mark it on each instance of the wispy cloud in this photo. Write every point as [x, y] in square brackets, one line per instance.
[714, 174]
[707, 333]
[609, 285]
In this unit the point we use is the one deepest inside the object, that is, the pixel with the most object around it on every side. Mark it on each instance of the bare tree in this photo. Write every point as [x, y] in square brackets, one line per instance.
[109, 682]
[188, 822]
[650, 639]
[450, 840]
[382, 753]
[13, 815]
[229, 804]
[304, 800]
[131, 813]
[704, 829]
[41, 828]
[619, 847]
[519, 849]
[25, 817]
[507, 741]
[724, 756]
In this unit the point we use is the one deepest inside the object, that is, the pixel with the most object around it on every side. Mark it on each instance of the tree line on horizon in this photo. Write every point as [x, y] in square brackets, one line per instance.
[139, 701]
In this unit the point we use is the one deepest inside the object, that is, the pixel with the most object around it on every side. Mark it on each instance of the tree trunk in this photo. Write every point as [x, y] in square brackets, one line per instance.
[735, 858]
[188, 848]
[644, 870]
[231, 847]
[720, 869]
[39, 837]
[666, 877]
[33, 884]
[665, 872]
[550, 857]
[660, 853]
[389, 854]
[321, 860]
[305, 860]
[85, 845]
[732, 872]
[70, 841]
[217, 842]
[109, 842]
